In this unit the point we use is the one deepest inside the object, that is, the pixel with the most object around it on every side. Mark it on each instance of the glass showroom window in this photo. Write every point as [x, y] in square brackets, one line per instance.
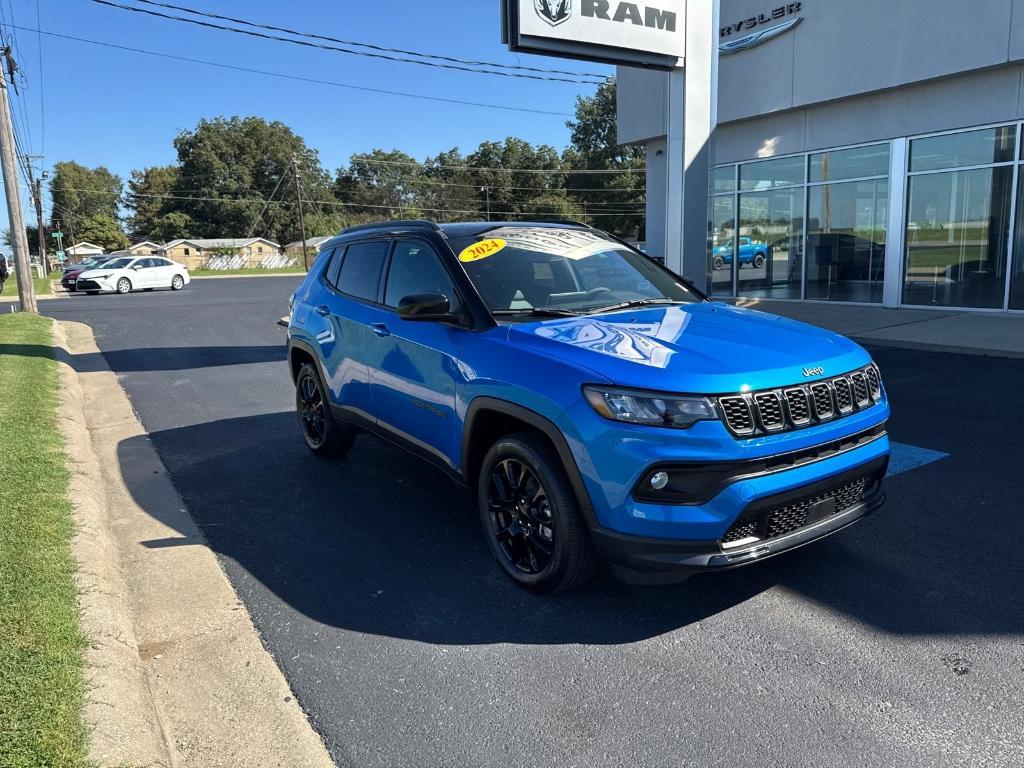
[771, 228]
[722, 229]
[755, 235]
[958, 218]
[847, 209]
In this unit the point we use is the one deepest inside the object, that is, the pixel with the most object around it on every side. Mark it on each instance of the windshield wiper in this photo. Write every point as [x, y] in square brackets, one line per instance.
[635, 304]
[535, 312]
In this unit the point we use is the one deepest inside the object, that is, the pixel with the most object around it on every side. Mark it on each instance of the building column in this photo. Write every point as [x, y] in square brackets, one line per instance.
[691, 117]
[896, 230]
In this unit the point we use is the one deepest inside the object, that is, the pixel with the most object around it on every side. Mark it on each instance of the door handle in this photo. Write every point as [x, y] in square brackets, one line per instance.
[380, 329]
[323, 310]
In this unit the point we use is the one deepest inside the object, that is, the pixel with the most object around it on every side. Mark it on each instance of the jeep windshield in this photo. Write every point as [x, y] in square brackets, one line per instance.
[547, 271]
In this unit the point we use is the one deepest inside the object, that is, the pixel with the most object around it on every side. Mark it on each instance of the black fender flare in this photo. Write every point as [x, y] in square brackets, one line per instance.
[541, 424]
[294, 344]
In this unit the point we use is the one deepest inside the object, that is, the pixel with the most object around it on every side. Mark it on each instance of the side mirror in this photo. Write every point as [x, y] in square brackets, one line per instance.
[425, 306]
[136, 267]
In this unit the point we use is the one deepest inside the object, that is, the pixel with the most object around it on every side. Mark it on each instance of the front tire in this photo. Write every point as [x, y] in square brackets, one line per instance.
[177, 283]
[531, 518]
[717, 263]
[124, 285]
[758, 261]
[323, 435]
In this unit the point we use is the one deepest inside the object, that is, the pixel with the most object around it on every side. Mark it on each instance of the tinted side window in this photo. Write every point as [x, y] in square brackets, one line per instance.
[361, 269]
[331, 275]
[416, 269]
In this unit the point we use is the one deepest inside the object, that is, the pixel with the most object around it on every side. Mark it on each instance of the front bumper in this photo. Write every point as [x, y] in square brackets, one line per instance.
[650, 560]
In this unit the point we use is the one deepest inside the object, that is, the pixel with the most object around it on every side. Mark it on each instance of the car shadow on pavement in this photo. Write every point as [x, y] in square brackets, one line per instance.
[381, 543]
[160, 358]
[384, 544]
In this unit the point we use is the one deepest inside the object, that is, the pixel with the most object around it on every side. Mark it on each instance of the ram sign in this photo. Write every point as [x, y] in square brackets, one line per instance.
[650, 34]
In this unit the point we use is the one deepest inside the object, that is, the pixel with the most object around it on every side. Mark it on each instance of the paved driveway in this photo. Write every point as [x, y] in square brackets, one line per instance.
[899, 642]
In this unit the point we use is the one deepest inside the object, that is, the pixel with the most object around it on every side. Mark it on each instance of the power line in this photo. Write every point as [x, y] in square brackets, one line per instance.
[506, 170]
[339, 49]
[299, 78]
[371, 46]
[335, 203]
[201, 198]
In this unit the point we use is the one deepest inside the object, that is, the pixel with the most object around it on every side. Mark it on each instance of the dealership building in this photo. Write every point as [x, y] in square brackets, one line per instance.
[865, 152]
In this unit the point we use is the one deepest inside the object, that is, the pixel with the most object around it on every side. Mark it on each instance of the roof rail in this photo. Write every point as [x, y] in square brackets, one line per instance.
[394, 224]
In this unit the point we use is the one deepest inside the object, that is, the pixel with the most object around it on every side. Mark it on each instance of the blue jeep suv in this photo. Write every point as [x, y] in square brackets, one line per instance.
[600, 407]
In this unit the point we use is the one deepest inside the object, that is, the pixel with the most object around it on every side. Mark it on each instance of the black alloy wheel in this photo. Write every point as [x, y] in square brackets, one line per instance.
[531, 517]
[312, 411]
[521, 516]
[323, 435]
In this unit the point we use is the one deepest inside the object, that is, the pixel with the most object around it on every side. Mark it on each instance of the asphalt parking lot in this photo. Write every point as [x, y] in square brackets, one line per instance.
[899, 642]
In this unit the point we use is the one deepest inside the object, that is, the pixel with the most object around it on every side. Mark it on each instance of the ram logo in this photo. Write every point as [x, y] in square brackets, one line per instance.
[554, 12]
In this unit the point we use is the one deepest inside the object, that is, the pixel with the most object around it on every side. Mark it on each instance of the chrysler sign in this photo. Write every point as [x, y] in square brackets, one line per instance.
[629, 32]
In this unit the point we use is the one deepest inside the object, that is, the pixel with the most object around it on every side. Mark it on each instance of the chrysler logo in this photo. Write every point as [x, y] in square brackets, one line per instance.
[809, 372]
[747, 33]
[762, 36]
[554, 12]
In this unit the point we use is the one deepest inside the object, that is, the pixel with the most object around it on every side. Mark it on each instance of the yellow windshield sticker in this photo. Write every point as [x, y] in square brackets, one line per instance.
[482, 250]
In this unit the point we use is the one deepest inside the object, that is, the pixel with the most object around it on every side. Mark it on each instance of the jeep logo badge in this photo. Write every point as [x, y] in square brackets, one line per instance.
[554, 12]
[808, 372]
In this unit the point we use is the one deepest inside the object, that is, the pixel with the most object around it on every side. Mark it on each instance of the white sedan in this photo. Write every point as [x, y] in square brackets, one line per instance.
[131, 273]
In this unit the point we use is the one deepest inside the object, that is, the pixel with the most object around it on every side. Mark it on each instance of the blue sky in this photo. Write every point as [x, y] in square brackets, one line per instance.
[103, 106]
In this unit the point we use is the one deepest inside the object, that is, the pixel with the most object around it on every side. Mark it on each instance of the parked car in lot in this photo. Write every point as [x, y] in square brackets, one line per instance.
[128, 273]
[69, 278]
[599, 406]
[752, 253]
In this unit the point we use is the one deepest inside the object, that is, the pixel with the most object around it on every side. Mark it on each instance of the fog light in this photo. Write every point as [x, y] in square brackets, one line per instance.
[659, 480]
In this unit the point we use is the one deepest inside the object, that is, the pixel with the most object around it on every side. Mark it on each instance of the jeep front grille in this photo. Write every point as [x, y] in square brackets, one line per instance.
[801, 406]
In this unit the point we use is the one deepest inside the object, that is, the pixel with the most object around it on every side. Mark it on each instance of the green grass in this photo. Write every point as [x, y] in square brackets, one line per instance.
[247, 271]
[42, 285]
[41, 645]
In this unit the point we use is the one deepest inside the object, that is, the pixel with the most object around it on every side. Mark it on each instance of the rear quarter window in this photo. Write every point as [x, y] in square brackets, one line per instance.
[362, 268]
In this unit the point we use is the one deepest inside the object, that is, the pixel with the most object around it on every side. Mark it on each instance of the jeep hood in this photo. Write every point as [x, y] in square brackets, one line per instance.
[708, 348]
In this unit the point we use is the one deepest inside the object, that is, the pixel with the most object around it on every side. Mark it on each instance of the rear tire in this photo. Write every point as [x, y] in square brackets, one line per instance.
[758, 261]
[717, 263]
[124, 285]
[531, 518]
[324, 436]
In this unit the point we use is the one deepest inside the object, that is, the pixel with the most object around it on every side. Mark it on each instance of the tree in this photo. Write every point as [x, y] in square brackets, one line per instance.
[83, 192]
[171, 226]
[618, 198]
[229, 168]
[526, 194]
[148, 199]
[104, 231]
[381, 184]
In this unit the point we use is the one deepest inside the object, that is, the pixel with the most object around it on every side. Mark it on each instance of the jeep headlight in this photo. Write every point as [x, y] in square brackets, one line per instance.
[650, 408]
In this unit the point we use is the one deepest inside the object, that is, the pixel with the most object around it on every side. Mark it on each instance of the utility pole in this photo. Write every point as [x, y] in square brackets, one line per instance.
[26, 288]
[302, 219]
[487, 190]
[37, 198]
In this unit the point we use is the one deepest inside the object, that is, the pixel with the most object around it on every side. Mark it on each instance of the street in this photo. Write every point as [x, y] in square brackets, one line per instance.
[896, 642]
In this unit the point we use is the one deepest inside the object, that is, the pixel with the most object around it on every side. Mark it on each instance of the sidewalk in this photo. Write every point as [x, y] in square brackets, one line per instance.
[971, 333]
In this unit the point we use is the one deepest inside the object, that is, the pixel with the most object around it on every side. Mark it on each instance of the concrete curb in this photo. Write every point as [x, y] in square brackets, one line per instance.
[238, 277]
[179, 675]
[119, 707]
